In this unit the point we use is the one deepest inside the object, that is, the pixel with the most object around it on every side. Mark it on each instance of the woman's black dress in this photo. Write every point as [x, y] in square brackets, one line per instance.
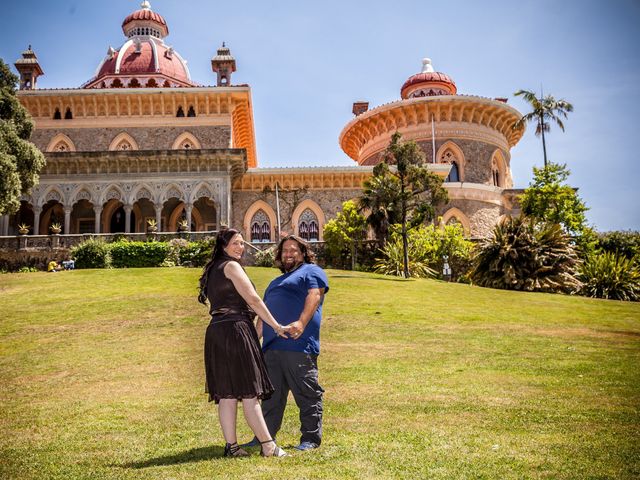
[233, 359]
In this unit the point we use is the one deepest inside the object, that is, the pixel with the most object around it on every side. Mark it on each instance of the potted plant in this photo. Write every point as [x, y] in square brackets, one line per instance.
[152, 225]
[23, 228]
[183, 225]
[55, 228]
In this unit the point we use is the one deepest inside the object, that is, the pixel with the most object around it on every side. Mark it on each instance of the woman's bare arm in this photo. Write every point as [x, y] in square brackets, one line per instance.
[234, 272]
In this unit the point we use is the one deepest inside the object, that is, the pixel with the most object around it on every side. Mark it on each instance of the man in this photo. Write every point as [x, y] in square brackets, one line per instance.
[295, 298]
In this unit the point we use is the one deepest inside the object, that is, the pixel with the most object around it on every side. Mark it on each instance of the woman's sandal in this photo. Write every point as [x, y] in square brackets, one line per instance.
[277, 451]
[234, 450]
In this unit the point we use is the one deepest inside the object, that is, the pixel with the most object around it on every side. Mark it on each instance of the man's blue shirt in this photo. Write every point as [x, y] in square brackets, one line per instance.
[285, 297]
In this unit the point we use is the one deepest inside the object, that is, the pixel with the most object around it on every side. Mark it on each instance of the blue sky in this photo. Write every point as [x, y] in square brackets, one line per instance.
[307, 62]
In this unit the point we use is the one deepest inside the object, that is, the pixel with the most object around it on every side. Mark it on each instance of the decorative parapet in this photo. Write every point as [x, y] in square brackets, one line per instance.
[452, 115]
[313, 178]
[146, 162]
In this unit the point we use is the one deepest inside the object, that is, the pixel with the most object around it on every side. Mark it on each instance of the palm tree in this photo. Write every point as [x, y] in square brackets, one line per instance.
[544, 111]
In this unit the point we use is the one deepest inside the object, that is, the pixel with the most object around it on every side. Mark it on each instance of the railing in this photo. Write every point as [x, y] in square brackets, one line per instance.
[52, 242]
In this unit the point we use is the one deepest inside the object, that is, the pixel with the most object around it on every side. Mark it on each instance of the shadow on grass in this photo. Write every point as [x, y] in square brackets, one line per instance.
[188, 456]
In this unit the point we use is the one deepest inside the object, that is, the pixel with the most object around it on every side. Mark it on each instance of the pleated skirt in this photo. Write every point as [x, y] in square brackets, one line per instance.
[234, 363]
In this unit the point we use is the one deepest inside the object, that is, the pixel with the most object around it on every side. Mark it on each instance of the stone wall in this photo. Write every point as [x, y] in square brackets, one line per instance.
[483, 216]
[330, 201]
[477, 155]
[148, 138]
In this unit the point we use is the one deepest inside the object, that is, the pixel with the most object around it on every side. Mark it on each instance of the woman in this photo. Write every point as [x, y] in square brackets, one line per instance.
[234, 363]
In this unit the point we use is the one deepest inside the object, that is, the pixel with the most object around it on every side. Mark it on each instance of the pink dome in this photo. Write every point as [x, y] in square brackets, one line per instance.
[144, 59]
[428, 83]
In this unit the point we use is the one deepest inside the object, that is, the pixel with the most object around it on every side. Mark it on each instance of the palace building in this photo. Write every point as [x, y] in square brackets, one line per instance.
[142, 140]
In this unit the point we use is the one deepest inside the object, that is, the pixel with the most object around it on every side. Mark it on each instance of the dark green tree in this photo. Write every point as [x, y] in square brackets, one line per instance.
[379, 199]
[549, 198]
[403, 191]
[20, 160]
[544, 111]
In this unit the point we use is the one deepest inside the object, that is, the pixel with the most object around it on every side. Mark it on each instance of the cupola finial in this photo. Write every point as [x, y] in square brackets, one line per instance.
[426, 66]
[145, 5]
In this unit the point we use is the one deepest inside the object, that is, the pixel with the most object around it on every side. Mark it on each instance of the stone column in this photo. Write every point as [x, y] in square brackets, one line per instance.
[159, 217]
[187, 212]
[127, 218]
[98, 213]
[36, 220]
[67, 220]
[225, 200]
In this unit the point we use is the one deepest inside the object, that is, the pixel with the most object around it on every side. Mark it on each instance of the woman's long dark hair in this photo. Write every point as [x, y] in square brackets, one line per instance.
[222, 240]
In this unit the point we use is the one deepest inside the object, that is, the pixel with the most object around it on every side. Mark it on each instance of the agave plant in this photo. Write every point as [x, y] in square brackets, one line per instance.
[392, 261]
[526, 255]
[611, 275]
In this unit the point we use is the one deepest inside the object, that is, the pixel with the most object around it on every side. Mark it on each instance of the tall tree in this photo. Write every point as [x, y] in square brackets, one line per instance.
[408, 192]
[20, 160]
[544, 111]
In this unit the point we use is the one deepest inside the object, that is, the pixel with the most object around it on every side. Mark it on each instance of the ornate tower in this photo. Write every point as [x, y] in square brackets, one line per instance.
[224, 65]
[29, 69]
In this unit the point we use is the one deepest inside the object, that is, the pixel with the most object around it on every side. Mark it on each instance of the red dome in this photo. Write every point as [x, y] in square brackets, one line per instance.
[142, 59]
[428, 83]
[144, 14]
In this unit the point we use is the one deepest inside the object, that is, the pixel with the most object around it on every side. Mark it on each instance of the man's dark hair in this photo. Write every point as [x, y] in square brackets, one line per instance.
[307, 255]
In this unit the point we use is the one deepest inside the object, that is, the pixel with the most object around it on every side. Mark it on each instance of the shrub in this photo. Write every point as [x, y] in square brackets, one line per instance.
[526, 255]
[625, 243]
[27, 269]
[611, 275]
[427, 247]
[391, 262]
[197, 254]
[265, 258]
[138, 254]
[92, 253]
[173, 255]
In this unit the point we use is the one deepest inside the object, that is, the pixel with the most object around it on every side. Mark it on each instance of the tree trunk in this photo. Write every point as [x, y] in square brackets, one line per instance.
[405, 243]
[544, 144]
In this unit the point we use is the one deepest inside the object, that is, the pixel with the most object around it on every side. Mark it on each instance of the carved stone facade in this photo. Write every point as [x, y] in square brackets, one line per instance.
[142, 138]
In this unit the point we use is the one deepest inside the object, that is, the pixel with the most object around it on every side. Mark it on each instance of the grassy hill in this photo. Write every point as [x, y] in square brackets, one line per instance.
[101, 377]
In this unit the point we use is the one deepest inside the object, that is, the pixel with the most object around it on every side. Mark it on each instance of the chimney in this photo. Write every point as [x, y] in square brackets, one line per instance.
[360, 107]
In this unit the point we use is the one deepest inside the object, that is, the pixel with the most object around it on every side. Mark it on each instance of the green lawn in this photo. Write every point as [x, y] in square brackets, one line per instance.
[101, 376]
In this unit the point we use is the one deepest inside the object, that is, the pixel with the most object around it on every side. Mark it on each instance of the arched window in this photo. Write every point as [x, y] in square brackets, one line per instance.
[61, 147]
[124, 145]
[180, 112]
[191, 112]
[496, 176]
[68, 115]
[57, 115]
[260, 227]
[308, 226]
[453, 173]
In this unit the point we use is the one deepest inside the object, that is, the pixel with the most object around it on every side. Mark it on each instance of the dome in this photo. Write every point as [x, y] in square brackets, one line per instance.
[428, 83]
[144, 59]
[145, 22]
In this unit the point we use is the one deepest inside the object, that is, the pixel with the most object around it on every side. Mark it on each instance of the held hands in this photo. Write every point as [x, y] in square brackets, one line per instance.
[295, 329]
[282, 330]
